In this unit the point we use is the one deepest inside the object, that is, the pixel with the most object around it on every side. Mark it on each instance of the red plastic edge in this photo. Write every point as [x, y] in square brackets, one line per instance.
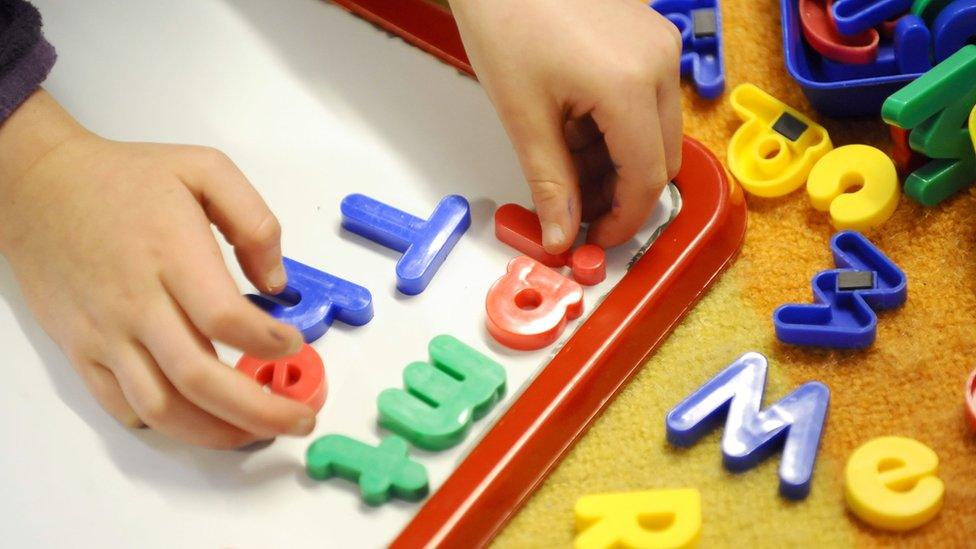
[424, 24]
[537, 430]
[533, 435]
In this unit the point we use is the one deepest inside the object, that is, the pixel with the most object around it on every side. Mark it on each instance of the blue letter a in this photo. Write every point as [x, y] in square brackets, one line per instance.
[751, 435]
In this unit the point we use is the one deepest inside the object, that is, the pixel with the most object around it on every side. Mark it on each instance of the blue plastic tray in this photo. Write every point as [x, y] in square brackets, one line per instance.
[839, 98]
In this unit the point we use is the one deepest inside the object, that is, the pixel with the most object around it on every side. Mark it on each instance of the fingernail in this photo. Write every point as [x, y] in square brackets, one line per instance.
[256, 445]
[277, 277]
[552, 234]
[303, 427]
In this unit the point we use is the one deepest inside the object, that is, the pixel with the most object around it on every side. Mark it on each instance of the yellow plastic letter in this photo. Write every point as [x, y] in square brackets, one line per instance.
[972, 125]
[774, 149]
[848, 167]
[638, 520]
[891, 483]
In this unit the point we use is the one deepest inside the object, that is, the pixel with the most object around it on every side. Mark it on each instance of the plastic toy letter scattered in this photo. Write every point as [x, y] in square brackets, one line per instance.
[935, 108]
[700, 25]
[636, 520]
[849, 166]
[443, 397]
[314, 298]
[891, 483]
[776, 146]
[425, 243]
[381, 471]
[844, 318]
[529, 307]
[299, 377]
[796, 422]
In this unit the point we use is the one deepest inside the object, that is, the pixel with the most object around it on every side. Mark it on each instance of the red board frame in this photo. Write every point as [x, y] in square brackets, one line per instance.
[538, 429]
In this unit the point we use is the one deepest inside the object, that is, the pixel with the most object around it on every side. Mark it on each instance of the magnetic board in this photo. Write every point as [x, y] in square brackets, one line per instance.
[312, 104]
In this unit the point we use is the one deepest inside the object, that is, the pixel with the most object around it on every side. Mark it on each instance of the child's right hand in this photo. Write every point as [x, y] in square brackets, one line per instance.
[111, 243]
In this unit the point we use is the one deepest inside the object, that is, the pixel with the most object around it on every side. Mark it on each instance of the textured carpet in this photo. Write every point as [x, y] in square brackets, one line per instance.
[908, 383]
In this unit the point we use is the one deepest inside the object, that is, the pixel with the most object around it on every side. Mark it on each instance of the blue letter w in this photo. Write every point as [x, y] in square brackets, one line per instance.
[750, 435]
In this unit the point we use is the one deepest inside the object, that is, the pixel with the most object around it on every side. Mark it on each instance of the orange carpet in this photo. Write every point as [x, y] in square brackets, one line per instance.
[908, 383]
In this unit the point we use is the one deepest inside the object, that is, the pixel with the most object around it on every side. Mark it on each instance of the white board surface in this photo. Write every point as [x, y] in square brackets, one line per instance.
[312, 104]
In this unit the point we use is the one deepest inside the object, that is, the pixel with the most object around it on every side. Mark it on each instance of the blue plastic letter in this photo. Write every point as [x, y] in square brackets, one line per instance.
[425, 244]
[908, 53]
[954, 27]
[750, 434]
[844, 318]
[700, 25]
[855, 16]
[314, 298]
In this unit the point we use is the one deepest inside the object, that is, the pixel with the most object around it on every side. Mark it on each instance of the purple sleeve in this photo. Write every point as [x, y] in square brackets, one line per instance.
[25, 56]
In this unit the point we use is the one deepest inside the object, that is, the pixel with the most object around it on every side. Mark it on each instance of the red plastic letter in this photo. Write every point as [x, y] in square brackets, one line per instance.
[528, 307]
[906, 159]
[589, 264]
[519, 227]
[299, 377]
[822, 36]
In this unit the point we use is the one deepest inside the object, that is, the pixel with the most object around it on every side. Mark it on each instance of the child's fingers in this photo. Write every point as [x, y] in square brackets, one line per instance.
[632, 131]
[581, 133]
[596, 197]
[164, 409]
[211, 385]
[101, 383]
[240, 213]
[198, 279]
[672, 132]
[536, 130]
[595, 179]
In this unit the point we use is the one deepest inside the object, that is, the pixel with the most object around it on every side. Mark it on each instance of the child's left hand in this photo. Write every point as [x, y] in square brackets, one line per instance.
[588, 91]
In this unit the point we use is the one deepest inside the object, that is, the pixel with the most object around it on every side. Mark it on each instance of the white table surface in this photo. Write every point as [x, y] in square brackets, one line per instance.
[312, 104]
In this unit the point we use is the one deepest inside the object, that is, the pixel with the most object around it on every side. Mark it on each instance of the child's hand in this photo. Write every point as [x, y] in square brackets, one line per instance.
[588, 91]
[112, 245]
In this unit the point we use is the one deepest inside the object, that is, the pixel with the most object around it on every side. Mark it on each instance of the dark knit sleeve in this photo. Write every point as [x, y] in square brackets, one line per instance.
[25, 56]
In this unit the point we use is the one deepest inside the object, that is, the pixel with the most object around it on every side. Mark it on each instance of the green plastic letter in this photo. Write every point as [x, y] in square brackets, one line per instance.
[935, 107]
[381, 471]
[442, 398]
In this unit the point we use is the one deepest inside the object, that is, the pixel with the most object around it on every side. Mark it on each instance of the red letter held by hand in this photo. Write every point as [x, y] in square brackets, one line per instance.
[520, 228]
[528, 307]
[299, 377]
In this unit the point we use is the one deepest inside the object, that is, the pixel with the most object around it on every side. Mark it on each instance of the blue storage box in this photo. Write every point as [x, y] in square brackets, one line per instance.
[837, 98]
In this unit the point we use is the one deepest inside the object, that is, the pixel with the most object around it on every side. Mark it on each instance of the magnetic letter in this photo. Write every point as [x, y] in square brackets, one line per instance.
[520, 228]
[636, 520]
[299, 377]
[529, 307]
[796, 422]
[380, 471]
[851, 166]
[891, 483]
[844, 317]
[443, 397]
[935, 108]
[425, 244]
[774, 149]
[313, 299]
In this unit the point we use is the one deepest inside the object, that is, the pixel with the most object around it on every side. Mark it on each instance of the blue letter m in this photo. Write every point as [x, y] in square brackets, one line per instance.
[751, 435]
